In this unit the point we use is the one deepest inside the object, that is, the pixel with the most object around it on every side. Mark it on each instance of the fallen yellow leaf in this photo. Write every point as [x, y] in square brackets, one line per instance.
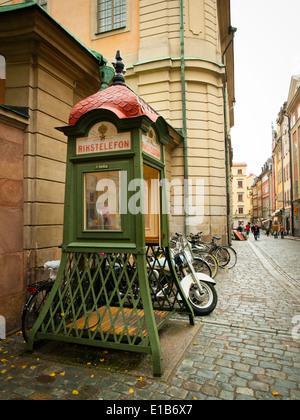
[275, 393]
[3, 371]
[131, 391]
[52, 374]
[140, 378]
[102, 360]
[75, 392]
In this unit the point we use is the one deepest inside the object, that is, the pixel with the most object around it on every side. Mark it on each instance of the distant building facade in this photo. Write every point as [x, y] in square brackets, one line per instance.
[240, 204]
[293, 111]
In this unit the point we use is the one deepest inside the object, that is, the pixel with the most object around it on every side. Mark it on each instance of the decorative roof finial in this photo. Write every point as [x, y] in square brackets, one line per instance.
[120, 69]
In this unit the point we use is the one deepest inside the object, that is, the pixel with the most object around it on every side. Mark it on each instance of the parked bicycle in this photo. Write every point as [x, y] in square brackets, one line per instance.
[39, 293]
[225, 254]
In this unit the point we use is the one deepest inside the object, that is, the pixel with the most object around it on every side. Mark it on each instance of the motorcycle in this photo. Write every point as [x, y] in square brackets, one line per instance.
[198, 287]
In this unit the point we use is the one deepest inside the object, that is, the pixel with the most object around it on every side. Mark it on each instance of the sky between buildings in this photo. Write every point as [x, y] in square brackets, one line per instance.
[267, 55]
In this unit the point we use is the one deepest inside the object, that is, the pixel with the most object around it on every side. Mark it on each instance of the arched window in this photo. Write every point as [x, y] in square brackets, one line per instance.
[2, 79]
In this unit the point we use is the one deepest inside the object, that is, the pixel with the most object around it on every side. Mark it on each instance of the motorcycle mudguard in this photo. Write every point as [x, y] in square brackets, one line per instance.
[188, 280]
[160, 263]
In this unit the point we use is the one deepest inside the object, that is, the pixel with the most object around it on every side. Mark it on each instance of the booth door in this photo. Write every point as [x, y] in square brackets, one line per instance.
[152, 205]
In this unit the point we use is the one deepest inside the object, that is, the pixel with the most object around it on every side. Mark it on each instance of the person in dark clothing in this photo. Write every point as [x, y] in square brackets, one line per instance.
[256, 232]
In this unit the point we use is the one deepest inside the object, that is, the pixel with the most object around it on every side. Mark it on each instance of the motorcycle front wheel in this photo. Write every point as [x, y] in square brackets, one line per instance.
[203, 303]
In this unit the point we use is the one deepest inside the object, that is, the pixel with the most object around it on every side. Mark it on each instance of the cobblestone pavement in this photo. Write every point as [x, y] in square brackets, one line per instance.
[248, 348]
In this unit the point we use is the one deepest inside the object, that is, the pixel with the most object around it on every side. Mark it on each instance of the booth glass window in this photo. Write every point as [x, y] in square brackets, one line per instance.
[102, 201]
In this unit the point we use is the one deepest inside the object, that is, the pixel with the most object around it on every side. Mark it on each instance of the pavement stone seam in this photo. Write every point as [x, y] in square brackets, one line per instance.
[278, 274]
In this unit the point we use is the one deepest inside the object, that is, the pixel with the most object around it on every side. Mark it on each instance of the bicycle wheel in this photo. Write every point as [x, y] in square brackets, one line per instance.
[33, 309]
[200, 266]
[233, 256]
[210, 259]
[223, 256]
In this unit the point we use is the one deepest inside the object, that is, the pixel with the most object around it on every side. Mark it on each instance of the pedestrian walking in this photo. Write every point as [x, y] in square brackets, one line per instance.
[256, 232]
[247, 229]
[282, 231]
[275, 230]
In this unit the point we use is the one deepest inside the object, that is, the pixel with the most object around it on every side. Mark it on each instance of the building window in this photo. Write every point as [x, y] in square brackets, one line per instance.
[241, 210]
[111, 15]
[240, 171]
[240, 197]
[240, 184]
[2, 79]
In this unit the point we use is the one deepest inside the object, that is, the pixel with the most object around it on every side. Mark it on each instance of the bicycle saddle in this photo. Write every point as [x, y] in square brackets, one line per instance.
[217, 238]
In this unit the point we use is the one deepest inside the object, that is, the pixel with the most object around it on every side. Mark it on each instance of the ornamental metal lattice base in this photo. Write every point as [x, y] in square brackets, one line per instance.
[113, 300]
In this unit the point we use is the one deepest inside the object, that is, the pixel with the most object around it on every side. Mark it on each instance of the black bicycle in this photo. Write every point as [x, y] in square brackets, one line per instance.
[38, 296]
[225, 254]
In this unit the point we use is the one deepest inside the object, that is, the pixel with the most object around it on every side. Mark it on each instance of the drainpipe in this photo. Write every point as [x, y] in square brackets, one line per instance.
[232, 31]
[184, 119]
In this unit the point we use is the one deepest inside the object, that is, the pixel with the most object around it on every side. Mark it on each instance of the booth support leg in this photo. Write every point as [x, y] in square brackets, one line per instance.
[149, 317]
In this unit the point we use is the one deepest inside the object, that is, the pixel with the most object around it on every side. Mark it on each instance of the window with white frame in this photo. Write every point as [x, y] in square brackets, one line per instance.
[111, 15]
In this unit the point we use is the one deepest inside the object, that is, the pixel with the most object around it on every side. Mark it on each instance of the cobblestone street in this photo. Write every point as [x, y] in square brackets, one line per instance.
[245, 349]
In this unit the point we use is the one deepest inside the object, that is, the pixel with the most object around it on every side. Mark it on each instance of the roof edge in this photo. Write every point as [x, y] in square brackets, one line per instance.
[14, 7]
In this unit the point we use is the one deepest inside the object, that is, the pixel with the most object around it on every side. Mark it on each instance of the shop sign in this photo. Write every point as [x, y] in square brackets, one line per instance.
[103, 137]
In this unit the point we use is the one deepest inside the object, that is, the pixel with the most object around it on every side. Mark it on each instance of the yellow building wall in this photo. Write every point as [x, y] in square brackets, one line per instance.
[81, 21]
[151, 48]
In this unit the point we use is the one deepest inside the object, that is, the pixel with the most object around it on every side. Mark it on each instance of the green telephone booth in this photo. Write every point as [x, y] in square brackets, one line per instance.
[109, 292]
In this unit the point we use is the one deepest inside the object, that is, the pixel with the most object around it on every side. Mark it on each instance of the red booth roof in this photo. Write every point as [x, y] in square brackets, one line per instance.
[119, 99]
